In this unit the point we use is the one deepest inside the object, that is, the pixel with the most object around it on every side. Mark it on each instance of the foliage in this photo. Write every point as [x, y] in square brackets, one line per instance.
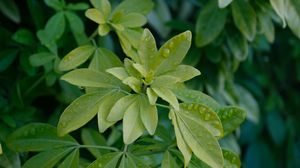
[138, 73]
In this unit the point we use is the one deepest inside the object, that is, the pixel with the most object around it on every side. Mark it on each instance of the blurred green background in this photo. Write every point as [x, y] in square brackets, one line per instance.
[261, 75]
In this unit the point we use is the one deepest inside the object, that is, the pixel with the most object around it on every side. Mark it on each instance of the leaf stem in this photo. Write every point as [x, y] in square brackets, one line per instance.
[36, 83]
[99, 147]
[93, 35]
[163, 106]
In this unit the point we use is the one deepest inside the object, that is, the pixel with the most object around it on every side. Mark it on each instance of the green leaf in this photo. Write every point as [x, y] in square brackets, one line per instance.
[55, 26]
[105, 107]
[231, 159]
[203, 115]
[128, 160]
[203, 144]
[292, 15]
[161, 80]
[105, 59]
[118, 72]
[78, 6]
[134, 83]
[244, 18]
[224, 3]
[10, 10]
[6, 58]
[79, 112]
[95, 15]
[132, 123]
[77, 27]
[148, 114]
[71, 161]
[40, 59]
[109, 160]
[131, 20]
[24, 36]
[89, 78]
[47, 41]
[184, 72]
[147, 49]
[172, 53]
[152, 96]
[181, 142]
[117, 111]
[37, 137]
[55, 4]
[167, 95]
[192, 96]
[210, 23]
[238, 45]
[279, 7]
[76, 57]
[103, 29]
[92, 137]
[9, 159]
[103, 5]
[134, 6]
[231, 118]
[1, 152]
[276, 127]
[266, 25]
[168, 161]
[47, 159]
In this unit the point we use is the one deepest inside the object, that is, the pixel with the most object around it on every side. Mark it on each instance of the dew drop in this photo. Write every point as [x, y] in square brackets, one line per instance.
[171, 44]
[166, 53]
[207, 117]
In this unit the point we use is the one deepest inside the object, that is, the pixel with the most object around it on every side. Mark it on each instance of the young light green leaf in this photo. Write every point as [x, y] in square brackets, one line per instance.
[76, 57]
[128, 64]
[147, 49]
[192, 96]
[244, 18]
[231, 118]
[134, 83]
[210, 23]
[71, 161]
[148, 114]
[172, 53]
[238, 45]
[140, 69]
[104, 108]
[279, 7]
[132, 123]
[109, 160]
[165, 81]
[105, 59]
[37, 137]
[90, 78]
[152, 96]
[102, 5]
[95, 15]
[47, 159]
[203, 115]
[103, 29]
[181, 143]
[118, 72]
[55, 26]
[92, 137]
[183, 72]
[167, 95]
[77, 27]
[224, 3]
[117, 111]
[40, 59]
[292, 15]
[203, 144]
[132, 20]
[231, 159]
[134, 6]
[79, 112]
[168, 161]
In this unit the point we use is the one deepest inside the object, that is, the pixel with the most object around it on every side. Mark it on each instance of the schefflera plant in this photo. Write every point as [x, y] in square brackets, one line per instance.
[129, 91]
[125, 20]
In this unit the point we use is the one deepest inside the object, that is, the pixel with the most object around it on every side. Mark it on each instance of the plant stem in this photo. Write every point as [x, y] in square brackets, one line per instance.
[93, 35]
[100, 147]
[36, 83]
[163, 106]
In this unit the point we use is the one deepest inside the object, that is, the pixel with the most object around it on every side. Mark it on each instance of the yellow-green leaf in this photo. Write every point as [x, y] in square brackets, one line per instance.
[95, 15]
[152, 96]
[79, 112]
[166, 81]
[103, 29]
[292, 15]
[148, 114]
[231, 159]
[184, 72]
[168, 161]
[279, 7]
[132, 20]
[105, 59]
[134, 6]
[118, 72]
[104, 108]
[117, 111]
[102, 5]
[132, 123]
[76, 57]
[167, 95]
[134, 83]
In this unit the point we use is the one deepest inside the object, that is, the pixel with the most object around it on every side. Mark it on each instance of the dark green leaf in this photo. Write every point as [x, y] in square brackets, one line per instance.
[77, 27]
[24, 36]
[238, 45]
[134, 6]
[40, 59]
[292, 15]
[276, 127]
[109, 160]
[55, 4]
[55, 26]
[77, 6]
[10, 10]
[71, 161]
[6, 58]
[92, 137]
[168, 161]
